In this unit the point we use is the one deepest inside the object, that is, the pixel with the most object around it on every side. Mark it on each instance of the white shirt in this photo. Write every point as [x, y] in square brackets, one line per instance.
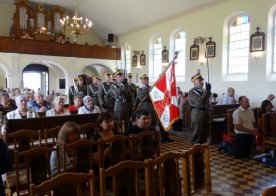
[84, 110]
[226, 99]
[245, 118]
[52, 112]
[16, 115]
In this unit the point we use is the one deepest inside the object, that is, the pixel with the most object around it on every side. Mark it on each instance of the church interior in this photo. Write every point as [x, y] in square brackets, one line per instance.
[231, 43]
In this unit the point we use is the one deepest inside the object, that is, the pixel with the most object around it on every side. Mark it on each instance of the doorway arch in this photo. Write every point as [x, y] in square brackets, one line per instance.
[36, 77]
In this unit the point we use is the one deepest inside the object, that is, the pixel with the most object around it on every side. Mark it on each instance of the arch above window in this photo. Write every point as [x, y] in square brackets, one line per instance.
[271, 45]
[155, 57]
[236, 52]
[178, 43]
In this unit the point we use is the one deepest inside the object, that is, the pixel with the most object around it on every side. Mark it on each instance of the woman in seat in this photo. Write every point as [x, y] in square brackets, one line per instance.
[5, 102]
[69, 133]
[22, 111]
[77, 104]
[104, 131]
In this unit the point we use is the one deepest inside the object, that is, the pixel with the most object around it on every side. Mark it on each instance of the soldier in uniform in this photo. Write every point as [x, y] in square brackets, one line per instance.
[199, 99]
[121, 93]
[93, 90]
[147, 104]
[77, 89]
[105, 98]
[133, 92]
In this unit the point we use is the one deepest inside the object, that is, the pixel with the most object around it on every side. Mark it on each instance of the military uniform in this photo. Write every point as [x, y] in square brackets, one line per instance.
[199, 99]
[93, 91]
[121, 94]
[105, 97]
[147, 104]
[76, 90]
[133, 93]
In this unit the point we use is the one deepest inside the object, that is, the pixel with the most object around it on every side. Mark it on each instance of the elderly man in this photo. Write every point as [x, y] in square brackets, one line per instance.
[243, 120]
[245, 131]
[39, 104]
[230, 97]
[58, 109]
[22, 110]
[89, 106]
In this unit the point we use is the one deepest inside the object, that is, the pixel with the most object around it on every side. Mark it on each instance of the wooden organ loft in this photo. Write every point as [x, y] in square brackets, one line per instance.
[37, 22]
[36, 31]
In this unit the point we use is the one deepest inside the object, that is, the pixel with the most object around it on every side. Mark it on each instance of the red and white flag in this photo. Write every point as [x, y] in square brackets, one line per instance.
[164, 99]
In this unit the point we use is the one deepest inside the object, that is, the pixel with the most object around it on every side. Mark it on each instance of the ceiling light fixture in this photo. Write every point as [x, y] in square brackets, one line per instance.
[76, 25]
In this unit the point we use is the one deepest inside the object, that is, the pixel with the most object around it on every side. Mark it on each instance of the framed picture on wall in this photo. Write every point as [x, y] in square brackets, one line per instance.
[134, 61]
[257, 41]
[194, 52]
[165, 55]
[142, 59]
[210, 49]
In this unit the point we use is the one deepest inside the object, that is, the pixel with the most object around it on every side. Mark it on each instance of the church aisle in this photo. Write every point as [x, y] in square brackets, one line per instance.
[231, 177]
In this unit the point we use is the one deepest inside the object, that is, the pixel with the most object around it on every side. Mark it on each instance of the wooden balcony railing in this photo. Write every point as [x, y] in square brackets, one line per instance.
[26, 46]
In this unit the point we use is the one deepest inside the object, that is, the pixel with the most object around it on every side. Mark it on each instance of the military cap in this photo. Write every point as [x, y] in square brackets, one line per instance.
[118, 72]
[129, 75]
[80, 78]
[75, 79]
[144, 76]
[95, 76]
[197, 76]
[106, 73]
[4, 94]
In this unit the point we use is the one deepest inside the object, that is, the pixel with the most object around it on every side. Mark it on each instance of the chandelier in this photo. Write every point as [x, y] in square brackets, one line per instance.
[76, 25]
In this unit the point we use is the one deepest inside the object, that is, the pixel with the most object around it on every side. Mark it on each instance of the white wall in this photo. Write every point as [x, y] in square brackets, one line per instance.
[12, 65]
[210, 22]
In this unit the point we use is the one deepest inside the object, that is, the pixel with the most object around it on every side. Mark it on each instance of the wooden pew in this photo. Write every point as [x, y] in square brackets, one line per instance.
[218, 121]
[43, 123]
[269, 131]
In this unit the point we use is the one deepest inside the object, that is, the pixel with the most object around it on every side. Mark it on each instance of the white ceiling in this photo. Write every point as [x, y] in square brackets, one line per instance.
[120, 17]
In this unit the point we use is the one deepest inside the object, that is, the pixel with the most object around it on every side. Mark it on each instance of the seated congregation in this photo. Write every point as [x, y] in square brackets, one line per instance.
[98, 160]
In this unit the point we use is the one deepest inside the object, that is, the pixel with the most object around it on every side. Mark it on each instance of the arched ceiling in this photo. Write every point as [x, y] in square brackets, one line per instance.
[120, 17]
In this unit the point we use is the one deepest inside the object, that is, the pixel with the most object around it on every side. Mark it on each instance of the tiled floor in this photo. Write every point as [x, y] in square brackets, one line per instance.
[231, 177]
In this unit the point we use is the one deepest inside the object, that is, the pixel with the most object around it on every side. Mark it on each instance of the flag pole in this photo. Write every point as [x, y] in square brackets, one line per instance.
[137, 108]
[174, 57]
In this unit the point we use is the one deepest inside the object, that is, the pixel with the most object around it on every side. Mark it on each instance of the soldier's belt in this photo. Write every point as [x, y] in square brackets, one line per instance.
[120, 100]
[199, 108]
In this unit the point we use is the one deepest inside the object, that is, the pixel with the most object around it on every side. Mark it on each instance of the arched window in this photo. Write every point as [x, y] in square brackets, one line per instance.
[157, 57]
[274, 44]
[126, 57]
[238, 50]
[180, 45]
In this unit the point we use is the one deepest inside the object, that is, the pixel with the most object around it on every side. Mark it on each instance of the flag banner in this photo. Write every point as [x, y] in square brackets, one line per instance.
[164, 99]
